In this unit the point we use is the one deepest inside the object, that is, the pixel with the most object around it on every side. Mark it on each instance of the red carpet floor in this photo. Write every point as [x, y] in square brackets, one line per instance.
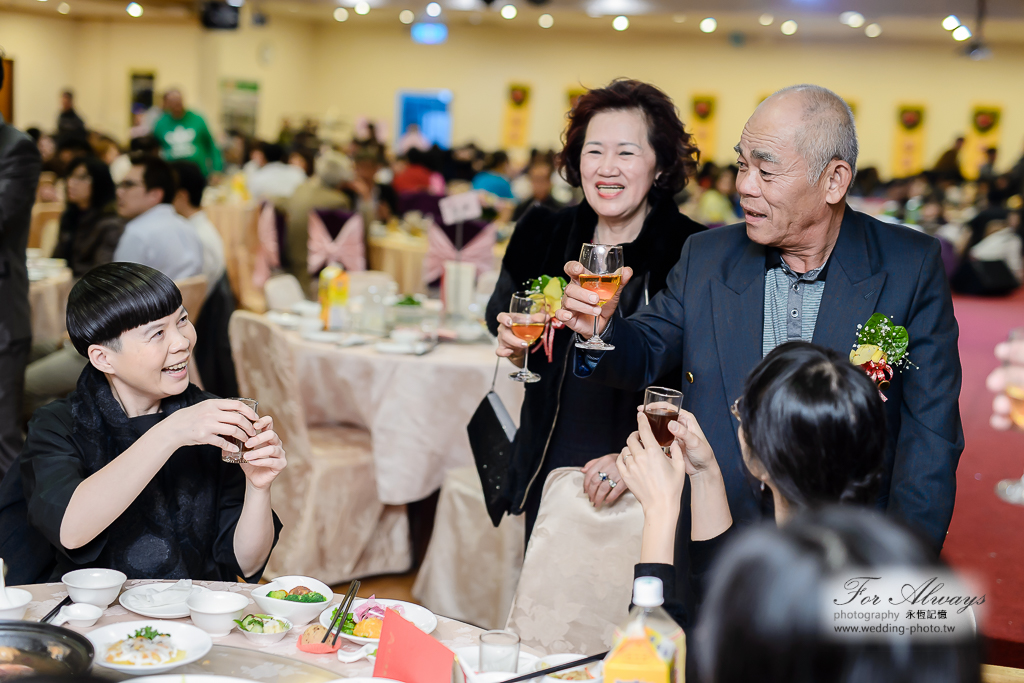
[986, 534]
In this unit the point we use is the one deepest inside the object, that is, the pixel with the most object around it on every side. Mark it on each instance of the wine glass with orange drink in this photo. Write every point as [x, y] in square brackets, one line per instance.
[528, 319]
[602, 264]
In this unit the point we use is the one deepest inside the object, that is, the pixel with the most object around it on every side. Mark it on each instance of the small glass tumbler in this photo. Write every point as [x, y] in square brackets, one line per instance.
[499, 651]
[239, 457]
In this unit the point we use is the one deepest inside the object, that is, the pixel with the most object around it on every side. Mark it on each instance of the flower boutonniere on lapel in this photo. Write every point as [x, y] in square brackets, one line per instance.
[547, 291]
[881, 346]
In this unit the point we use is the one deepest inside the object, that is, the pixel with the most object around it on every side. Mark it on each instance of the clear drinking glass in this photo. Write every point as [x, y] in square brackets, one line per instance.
[603, 264]
[1012, 490]
[499, 651]
[239, 457]
[528, 320]
[661, 406]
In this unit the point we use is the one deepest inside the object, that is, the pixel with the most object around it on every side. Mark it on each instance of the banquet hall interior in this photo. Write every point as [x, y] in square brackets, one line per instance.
[351, 175]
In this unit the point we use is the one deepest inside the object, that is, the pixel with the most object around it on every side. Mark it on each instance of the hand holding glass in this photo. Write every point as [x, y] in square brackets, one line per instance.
[661, 406]
[239, 457]
[528, 321]
[603, 265]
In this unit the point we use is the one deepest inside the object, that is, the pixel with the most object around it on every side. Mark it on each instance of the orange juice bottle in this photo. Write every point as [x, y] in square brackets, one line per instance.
[333, 295]
[650, 647]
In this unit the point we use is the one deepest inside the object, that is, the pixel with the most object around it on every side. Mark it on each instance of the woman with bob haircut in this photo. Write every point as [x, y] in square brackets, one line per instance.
[811, 429]
[628, 150]
[763, 619]
[89, 227]
[127, 472]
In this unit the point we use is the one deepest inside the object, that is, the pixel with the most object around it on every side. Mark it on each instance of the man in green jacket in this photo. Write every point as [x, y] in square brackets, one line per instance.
[183, 135]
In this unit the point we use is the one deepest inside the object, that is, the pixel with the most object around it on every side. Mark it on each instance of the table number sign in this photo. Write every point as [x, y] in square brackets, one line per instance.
[459, 208]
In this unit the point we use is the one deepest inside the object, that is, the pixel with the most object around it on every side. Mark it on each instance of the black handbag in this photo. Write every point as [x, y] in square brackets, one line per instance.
[491, 431]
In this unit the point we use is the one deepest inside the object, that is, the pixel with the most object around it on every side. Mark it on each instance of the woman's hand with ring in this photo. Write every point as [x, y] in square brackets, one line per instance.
[601, 491]
[656, 481]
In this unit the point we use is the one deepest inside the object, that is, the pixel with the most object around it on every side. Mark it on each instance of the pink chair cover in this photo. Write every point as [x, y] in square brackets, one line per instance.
[268, 256]
[479, 251]
[347, 248]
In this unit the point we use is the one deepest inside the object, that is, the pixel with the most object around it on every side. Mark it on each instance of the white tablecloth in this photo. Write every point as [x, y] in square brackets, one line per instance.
[415, 407]
[48, 299]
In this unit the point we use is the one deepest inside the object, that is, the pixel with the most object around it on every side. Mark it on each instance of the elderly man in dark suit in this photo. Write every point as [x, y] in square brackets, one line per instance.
[803, 266]
[19, 175]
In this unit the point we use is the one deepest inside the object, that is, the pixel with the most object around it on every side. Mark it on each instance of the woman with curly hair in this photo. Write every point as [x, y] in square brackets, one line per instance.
[626, 147]
[811, 430]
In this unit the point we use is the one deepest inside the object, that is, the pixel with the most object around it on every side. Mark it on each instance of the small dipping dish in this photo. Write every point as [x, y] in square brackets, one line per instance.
[18, 600]
[215, 611]
[81, 615]
[94, 586]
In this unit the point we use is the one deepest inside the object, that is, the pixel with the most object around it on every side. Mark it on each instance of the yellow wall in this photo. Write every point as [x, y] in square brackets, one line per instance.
[344, 71]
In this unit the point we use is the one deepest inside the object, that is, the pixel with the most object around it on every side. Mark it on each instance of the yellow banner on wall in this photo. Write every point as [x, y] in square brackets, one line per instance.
[573, 95]
[515, 129]
[983, 133]
[908, 141]
[703, 124]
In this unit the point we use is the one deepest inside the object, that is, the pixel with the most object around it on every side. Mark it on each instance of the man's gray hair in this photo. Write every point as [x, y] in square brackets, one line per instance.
[333, 168]
[828, 133]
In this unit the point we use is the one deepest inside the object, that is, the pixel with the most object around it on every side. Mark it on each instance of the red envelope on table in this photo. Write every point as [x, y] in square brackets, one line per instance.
[409, 655]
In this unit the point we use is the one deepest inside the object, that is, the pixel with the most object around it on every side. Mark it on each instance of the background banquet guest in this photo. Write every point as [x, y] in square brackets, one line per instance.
[948, 165]
[626, 135]
[718, 205]
[539, 173]
[156, 235]
[188, 202]
[126, 473]
[494, 176]
[183, 134]
[375, 201]
[90, 226]
[69, 123]
[274, 179]
[987, 170]
[804, 266]
[321, 191]
[1010, 373]
[413, 173]
[811, 429]
[764, 619]
[19, 174]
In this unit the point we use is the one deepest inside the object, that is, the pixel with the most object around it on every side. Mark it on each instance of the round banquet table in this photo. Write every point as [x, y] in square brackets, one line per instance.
[401, 256]
[416, 408]
[233, 654]
[48, 299]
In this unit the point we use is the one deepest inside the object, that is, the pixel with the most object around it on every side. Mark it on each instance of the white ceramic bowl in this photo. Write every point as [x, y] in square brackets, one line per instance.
[215, 611]
[82, 615]
[19, 599]
[94, 586]
[596, 669]
[299, 613]
[194, 642]
[262, 639]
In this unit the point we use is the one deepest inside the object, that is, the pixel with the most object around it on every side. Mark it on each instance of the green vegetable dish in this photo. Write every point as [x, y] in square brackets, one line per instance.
[148, 633]
[261, 623]
[297, 594]
[408, 300]
[350, 623]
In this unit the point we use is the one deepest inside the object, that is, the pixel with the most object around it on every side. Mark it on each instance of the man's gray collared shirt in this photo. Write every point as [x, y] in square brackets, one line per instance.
[791, 302]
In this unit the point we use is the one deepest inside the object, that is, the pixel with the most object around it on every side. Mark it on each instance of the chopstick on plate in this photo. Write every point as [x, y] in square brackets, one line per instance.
[53, 613]
[556, 669]
[342, 613]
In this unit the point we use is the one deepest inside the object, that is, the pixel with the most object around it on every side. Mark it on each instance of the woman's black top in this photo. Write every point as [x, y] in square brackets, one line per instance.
[88, 238]
[181, 525]
[566, 420]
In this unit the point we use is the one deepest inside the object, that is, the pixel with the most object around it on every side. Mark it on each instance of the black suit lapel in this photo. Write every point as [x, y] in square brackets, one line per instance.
[738, 316]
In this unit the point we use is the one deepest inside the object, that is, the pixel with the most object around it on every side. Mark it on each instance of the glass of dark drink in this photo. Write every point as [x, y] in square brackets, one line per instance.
[239, 457]
[528, 321]
[661, 406]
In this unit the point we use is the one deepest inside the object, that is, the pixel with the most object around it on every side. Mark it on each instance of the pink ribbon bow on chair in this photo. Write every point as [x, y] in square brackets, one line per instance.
[478, 251]
[347, 248]
[268, 256]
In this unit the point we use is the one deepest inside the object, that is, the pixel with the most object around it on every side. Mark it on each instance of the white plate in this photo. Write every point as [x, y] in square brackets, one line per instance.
[178, 610]
[189, 678]
[421, 617]
[288, 321]
[415, 349]
[469, 660]
[361, 679]
[325, 336]
[195, 642]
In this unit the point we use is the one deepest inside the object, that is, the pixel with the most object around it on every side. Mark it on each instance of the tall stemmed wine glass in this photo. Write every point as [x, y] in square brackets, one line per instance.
[528, 320]
[603, 265]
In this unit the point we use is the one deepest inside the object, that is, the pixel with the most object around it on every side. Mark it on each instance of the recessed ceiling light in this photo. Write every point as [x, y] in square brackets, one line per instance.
[546, 21]
[950, 22]
[63, 8]
[679, 18]
[341, 14]
[236, 3]
[134, 9]
[852, 19]
[434, 9]
[708, 25]
[406, 16]
[620, 23]
[788, 27]
[961, 33]
[873, 30]
[362, 7]
[509, 12]
[766, 20]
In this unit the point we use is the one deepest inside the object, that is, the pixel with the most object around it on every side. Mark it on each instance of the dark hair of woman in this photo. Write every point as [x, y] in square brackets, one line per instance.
[673, 147]
[762, 617]
[103, 189]
[816, 423]
[113, 298]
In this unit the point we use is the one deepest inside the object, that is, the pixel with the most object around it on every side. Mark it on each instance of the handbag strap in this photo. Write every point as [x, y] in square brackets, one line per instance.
[494, 380]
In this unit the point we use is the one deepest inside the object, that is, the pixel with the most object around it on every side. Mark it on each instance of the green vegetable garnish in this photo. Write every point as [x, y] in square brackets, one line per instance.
[306, 597]
[408, 300]
[350, 622]
[149, 632]
[278, 595]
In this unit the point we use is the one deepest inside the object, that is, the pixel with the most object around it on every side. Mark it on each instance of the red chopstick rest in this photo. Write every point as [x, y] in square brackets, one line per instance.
[320, 648]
